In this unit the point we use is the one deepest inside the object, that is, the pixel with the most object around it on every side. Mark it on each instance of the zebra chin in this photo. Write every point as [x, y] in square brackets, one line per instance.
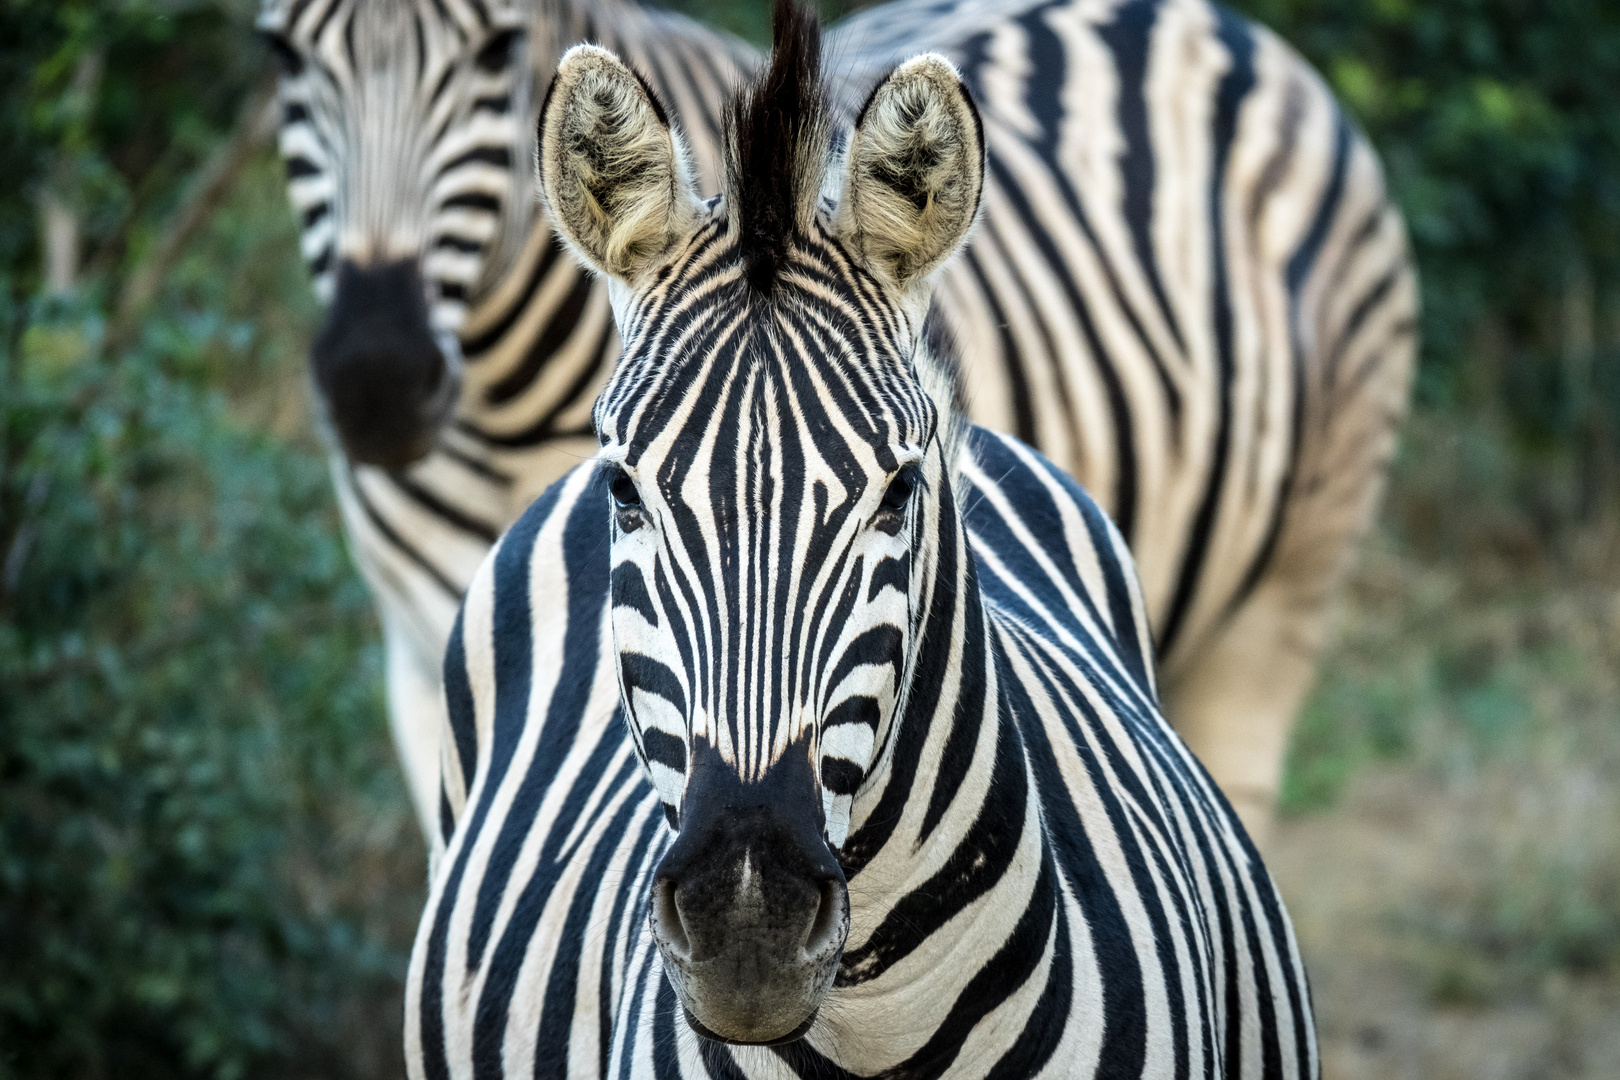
[387, 381]
[750, 909]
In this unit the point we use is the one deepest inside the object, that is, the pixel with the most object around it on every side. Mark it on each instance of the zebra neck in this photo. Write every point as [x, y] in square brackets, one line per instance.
[537, 349]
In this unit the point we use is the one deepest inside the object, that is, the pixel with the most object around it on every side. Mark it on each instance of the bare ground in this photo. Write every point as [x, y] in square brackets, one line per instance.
[1452, 855]
[1397, 1000]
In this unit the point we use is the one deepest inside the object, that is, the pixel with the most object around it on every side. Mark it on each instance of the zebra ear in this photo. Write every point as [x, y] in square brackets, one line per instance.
[615, 176]
[915, 171]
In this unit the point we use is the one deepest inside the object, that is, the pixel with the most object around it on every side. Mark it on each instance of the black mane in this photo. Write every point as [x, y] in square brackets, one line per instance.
[776, 144]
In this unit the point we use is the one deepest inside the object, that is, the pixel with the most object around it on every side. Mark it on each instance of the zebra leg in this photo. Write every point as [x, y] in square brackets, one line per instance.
[416, 718]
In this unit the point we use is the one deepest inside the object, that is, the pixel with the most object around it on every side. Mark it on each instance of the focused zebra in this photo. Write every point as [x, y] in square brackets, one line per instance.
[1187, 288]
[807, 732]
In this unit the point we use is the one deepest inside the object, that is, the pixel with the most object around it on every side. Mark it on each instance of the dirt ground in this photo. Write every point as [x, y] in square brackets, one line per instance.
[1396, 1001]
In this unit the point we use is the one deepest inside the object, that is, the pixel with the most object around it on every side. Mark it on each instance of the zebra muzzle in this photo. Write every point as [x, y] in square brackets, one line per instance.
[749, 908]
[385, 381]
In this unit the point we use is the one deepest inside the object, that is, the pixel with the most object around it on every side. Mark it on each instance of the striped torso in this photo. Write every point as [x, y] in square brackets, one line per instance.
[1187, 286]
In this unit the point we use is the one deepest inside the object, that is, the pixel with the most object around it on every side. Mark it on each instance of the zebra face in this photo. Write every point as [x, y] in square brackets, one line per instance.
[771, 462]
[765, 528]
[762, 555]
[400, 123]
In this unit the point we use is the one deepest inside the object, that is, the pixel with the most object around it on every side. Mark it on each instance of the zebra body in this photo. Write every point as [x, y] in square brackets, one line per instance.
[805, 733]
[1082, 849]
[1187, 288]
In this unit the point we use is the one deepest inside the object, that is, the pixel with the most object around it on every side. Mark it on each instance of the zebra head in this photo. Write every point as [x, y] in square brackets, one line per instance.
[400, 122]
[775, 467]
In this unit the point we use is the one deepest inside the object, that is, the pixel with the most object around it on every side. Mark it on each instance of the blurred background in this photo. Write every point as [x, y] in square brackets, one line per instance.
[208, 866]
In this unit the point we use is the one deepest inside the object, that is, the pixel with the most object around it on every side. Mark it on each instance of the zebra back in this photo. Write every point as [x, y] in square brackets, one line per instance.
[1189, 287]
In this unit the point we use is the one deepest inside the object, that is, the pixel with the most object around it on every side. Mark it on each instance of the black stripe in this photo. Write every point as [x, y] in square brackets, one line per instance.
[444, 510]
[399, 543]
[472, 200]
[558, 329]
[1125, 482]
[320, 27]
[1235, 85]
[1128, 38]
[512, 644]
[1044, 100]
[475, 348]
[476, 465]
[1011, 360]
[459, 703]
[497, 156]
[1299, 266]
[450, 242]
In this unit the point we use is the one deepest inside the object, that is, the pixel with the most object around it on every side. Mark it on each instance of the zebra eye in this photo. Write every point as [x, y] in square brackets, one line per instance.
[287, 58]
[624, 491]
[891, 513]
[626, 501]
[899, 492]
[497, 51]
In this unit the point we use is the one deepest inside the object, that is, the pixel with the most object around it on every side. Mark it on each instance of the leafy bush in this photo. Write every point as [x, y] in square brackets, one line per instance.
[190, 719]
[207, 863]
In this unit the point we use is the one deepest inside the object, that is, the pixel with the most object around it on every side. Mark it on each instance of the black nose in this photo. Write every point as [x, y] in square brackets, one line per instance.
[751, 892]
[386, 383]
[749, 905]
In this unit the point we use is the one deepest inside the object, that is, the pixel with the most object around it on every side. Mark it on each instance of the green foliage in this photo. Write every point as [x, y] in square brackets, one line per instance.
[109, 106]
[189, 715]
[751, 19]
[207, 863]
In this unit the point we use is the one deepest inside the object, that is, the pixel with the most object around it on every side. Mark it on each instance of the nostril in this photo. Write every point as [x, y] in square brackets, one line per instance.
[827, 927]
[668, 916]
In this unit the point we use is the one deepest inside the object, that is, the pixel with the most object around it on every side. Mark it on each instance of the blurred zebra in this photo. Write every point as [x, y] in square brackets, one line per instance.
[807, 732]
[461, 349]
[1187, 288]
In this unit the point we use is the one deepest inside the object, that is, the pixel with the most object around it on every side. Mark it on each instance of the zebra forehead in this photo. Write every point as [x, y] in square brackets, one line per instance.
[383, 20]
[772, 409]
[805, 364]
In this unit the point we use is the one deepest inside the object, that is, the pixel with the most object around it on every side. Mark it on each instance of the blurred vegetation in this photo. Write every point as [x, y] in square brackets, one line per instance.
[207, 864]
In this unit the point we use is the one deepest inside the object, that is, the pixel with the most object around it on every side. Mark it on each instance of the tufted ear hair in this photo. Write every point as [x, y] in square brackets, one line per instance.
[615, 177]
[915, 171]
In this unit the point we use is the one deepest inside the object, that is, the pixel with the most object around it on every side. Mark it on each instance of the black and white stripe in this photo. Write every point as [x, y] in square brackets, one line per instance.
[787, 555]
[1188, 288]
